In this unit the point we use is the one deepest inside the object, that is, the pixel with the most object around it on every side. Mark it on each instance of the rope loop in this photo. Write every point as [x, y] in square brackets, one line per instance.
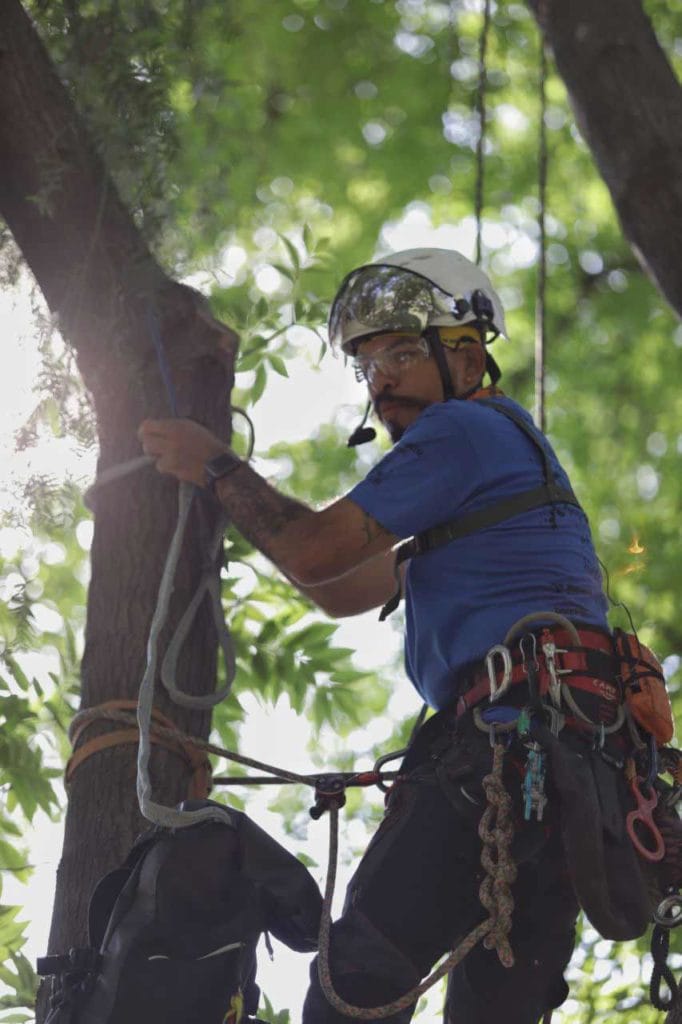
[163, 732]
[496, 831]
[660, 945]
[364, 1013]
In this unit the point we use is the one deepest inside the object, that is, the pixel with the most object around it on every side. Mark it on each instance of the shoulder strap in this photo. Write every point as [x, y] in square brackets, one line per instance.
[548, 493]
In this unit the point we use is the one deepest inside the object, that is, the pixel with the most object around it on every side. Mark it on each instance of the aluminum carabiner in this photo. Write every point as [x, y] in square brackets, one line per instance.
[496, 690]
[668, 913]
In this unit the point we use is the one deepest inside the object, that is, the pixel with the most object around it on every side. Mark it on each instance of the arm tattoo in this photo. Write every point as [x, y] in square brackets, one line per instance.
[259, 512]
[372, 529]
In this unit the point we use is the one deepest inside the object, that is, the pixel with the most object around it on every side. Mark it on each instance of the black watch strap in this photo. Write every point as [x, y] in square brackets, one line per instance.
[219, 466]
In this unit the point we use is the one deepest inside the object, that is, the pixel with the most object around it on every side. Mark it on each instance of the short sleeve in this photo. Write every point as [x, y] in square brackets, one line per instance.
[425, 478]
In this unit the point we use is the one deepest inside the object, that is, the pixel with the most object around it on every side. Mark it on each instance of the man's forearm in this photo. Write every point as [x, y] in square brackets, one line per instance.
[310, 547]
[272, 522]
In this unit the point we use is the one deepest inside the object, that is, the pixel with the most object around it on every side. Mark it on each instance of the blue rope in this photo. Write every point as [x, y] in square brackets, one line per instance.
[155, 333]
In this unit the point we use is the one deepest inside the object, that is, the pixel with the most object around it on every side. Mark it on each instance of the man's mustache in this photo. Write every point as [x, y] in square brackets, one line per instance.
[386, 398]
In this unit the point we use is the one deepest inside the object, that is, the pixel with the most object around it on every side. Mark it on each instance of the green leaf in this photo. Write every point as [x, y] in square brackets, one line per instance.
[293, 252]
[259, 384]
[278, 365]
[13, 860]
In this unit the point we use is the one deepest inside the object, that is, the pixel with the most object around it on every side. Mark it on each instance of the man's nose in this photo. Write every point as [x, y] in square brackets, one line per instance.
[382, 377]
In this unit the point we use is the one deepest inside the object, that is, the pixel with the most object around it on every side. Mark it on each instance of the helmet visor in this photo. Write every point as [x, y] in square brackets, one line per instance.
[386, 298]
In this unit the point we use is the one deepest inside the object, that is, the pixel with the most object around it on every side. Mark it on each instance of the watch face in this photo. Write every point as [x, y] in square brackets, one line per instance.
[220, 465]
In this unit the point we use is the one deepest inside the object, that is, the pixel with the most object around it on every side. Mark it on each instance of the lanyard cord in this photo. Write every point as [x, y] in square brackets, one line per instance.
[479, 198]
[541, 290]
[482, 125]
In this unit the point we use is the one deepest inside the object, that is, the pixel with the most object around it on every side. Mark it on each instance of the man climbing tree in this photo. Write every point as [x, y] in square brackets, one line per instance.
[501, 553]
[619, 125]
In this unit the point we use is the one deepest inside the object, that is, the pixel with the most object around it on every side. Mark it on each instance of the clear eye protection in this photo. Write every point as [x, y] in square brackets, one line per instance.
[392, 360]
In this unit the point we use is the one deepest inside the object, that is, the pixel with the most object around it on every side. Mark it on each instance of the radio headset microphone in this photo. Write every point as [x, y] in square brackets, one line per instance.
[362, 434]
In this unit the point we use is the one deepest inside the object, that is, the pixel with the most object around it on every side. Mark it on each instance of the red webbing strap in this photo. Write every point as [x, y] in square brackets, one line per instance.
[197, 760]
[576, 659]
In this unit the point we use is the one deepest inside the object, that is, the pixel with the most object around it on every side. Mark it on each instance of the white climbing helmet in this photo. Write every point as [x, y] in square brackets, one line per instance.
[410, 291]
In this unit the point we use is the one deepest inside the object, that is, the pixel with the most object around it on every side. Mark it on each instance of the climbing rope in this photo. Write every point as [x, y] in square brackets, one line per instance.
[106, 713]
[496, 831]
[660, 946]
[209, 585]
[481, 112]
[195, 759]
[541, 287]
[158, 814]
[479, 197]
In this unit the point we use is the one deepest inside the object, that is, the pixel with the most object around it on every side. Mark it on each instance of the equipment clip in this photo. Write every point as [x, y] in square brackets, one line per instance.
[643, 816]
[330, 791]
[550, 651]
[534, 798]
[503, 651]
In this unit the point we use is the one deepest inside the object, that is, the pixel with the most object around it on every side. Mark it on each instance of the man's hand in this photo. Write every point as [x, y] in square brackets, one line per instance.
[180, 447]
[331, 556]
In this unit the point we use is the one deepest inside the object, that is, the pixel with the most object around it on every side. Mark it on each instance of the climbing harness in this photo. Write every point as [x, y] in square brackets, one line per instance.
[548, 493]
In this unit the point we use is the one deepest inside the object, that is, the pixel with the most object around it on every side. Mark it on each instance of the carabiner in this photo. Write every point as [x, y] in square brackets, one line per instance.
[653, 762]
[668, 913]
[527, 663]
[643, 815]
[504, 652]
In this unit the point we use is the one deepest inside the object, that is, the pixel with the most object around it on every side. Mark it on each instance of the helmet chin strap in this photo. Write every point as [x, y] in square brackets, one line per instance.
[363, 434]
[438, 352]
[436, 346]
[492, 369]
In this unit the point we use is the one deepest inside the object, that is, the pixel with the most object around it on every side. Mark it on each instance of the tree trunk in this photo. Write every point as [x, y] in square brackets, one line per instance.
[101, 281]
[628, 105]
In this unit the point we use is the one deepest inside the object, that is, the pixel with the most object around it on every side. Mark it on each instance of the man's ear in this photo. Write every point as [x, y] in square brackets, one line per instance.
[474, 362]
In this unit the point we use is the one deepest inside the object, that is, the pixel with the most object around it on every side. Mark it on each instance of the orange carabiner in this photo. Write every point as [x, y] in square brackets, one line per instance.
[642, 815]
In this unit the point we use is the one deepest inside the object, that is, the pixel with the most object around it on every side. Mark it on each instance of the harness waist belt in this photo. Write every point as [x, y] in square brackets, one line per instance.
[591, 667]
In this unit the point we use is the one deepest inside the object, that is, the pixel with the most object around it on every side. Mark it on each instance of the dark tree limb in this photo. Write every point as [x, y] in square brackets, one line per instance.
[628, 105]
[101, 282]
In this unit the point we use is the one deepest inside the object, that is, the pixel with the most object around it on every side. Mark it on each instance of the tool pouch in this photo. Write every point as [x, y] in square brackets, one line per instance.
[605, 871]
[644, 687]
[173, 932]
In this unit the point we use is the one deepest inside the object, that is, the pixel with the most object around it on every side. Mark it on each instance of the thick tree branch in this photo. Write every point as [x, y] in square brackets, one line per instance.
[102, 283]
[628, 105]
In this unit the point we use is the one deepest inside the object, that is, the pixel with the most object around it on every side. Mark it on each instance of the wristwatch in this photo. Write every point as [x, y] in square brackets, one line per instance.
[219, 466]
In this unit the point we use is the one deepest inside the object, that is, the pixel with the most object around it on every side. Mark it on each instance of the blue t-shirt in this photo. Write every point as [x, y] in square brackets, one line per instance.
[462, 598]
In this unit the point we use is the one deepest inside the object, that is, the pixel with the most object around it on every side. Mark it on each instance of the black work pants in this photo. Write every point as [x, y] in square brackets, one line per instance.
[414, 895]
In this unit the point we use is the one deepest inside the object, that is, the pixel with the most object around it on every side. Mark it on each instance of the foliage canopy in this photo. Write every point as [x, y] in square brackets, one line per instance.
[265, 149]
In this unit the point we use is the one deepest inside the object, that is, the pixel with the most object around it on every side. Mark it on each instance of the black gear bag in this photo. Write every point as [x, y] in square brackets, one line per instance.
[173, 932]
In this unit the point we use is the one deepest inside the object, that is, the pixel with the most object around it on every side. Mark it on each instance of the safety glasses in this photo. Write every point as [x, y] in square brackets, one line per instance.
[386, 298]
[392, 360]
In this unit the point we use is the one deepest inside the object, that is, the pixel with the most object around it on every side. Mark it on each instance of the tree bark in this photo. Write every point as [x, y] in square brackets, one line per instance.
[102, 283]
[628, 105]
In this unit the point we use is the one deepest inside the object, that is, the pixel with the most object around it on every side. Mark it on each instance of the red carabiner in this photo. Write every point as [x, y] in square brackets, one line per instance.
[643, 815]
